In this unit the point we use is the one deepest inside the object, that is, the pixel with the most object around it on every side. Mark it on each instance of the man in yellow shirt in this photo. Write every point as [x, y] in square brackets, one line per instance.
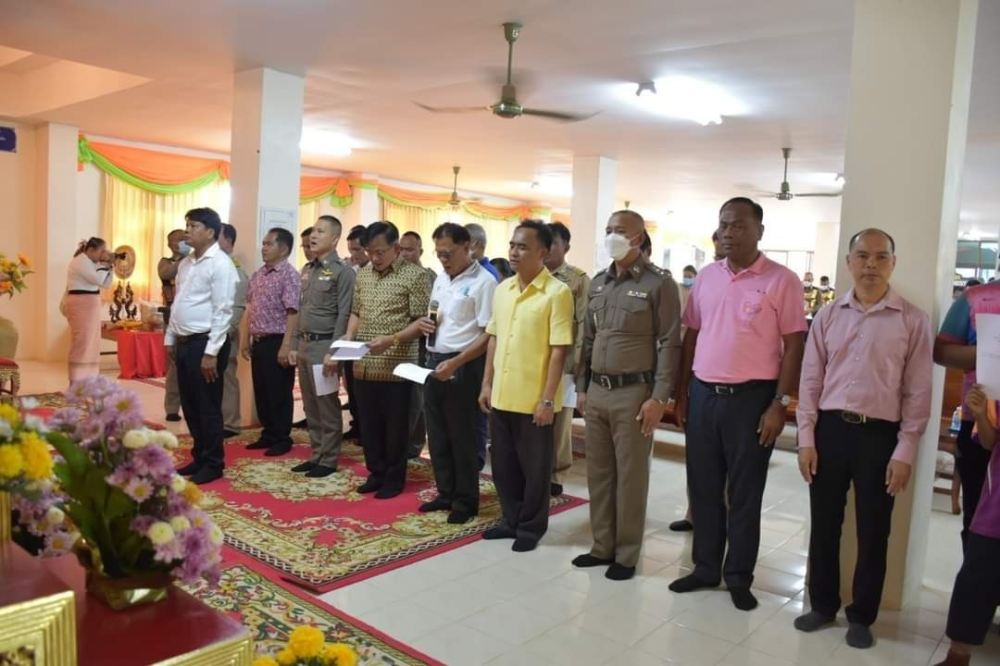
[531, 332]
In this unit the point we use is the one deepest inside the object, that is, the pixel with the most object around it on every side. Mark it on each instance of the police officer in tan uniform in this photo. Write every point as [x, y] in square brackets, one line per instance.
[327, 294]
[231, 420]
[631, 349]
[579, 284]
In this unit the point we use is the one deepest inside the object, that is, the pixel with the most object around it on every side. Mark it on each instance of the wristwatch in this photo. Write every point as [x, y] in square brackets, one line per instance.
[784, 399]
[548, 404]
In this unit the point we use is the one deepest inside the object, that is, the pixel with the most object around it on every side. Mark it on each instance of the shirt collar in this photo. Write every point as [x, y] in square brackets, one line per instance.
[757, 267]
[891, 301]
[538, 283]
[471, 271]
[635, 271]
[393, 267]
[212, 250]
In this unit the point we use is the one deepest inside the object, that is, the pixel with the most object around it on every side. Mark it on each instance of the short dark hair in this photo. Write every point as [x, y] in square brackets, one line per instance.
[758, 211]
[824, 277]
[229, 232]
[208, 218]
[91, 243]
[715, 236]
[382, 228]
[456, 232]
[358, 233]
[690, 269]
[561, 230]
[306, 232]
[542, 231]
[334, 224]
[503, 267]
[283, 237]
[871, 230]
[175, 231]
[414, 234]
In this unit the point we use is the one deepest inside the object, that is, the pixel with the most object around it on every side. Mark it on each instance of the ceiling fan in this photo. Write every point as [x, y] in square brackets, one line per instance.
[455, 201]
[509, 106]
[786, 193]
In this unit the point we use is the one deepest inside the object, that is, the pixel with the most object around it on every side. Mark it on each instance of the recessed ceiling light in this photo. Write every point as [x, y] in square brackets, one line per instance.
[324, 142]
[686, 98]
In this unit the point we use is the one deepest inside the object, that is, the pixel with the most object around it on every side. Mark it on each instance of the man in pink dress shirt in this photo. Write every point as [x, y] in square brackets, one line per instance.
[864, 402]
[744, 339]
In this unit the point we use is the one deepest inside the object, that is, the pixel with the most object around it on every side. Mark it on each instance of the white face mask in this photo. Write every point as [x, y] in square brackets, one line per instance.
[807, 285]
[184, 248]
[617, 246]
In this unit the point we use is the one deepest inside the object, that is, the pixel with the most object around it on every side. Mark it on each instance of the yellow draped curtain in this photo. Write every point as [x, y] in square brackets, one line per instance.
[142, 219]
[424, 222]
[308, 212]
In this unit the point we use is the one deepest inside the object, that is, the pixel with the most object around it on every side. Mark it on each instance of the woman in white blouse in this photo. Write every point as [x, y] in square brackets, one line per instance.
[89, 272]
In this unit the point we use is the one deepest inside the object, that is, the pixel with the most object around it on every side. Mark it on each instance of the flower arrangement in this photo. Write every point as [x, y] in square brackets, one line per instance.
[25, 459]
[12, 273]
[136, 516]
[307, 647]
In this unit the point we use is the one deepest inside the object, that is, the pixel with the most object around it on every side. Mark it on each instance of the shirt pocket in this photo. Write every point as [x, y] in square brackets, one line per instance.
[595, 310]
[634, 314]
[752, 310]
[321, 292]
[462, 309]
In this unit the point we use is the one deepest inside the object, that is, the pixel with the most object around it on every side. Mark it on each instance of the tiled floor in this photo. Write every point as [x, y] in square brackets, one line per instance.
[483, 604]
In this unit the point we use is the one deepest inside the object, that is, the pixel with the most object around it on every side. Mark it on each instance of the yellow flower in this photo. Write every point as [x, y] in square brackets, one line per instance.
[191, 493]
[264, 661]
[11, 461]
[37, 459]
[306, 642]
[9, 414]
[340, 654]
[6, 286]
[178, 483]
[24, 259]
[286, 657]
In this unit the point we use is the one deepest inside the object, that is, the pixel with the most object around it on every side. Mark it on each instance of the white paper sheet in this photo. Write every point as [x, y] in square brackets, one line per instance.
[569, 392]
[349, 353]
[348, 344]
[412, 372]
[988, 354]
[325, 385]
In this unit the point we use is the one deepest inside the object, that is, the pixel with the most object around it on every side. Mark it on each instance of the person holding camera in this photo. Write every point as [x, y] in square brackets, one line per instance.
[88, 273]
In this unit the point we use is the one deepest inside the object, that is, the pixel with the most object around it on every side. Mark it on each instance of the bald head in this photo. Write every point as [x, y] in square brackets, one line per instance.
[872, 230]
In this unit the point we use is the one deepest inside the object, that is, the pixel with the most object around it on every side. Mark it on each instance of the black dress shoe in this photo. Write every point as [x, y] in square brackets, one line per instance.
[226, 434]
[500, 532]
[587, 560]
[369, 486]
[189, 469]
[619, 572]
[438, 504]
[173, 417]
[303, 467]
[681, 526]
[259, 444]
[320, 471]
[278, 450]
[351, 434]
[388, 493]
[302, 425]
[206, 475]
[460, 517]
[555, 489]
[523, 545]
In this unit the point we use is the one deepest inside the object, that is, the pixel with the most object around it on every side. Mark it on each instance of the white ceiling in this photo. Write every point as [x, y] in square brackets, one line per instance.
[787, 61]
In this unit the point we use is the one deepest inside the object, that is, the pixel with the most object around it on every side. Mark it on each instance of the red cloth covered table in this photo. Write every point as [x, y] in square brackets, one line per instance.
[140, 353]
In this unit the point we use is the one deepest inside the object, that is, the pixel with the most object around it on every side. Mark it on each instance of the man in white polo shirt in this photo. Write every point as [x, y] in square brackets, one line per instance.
[456, 344]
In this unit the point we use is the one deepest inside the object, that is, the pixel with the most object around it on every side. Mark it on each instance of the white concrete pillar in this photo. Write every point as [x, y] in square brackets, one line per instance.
[826, 257]
[592, 204]
[910, 80]
[55, 219]
[365, 207]
[266, 164]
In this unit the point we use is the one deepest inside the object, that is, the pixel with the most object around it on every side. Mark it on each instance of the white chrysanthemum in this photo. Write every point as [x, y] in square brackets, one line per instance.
[28, 403]
[54, 516]
[160, 533]
[136, 439]
[165, 438]
[177, 483]
[6, 432]
[36, 423]
[180, 523]
[216, 535]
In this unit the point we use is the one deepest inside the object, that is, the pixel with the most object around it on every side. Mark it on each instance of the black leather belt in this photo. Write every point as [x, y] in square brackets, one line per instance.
[181, 339]
[260, 338]
[734, 389]
[620, 381]
[435, 358]
[855, 418]
[313, 337]
[82, 292]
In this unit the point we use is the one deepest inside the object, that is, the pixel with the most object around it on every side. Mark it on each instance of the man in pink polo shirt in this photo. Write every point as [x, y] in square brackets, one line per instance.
[864, 402]
[744, 343]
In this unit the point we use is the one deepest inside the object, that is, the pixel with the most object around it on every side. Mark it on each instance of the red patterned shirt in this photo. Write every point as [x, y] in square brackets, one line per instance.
[272, 293]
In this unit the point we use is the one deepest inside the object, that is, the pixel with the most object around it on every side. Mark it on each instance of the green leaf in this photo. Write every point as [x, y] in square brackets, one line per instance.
[76, 458]
[119, 505]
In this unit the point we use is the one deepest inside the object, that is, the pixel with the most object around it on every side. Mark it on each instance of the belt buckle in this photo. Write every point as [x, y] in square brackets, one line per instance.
[605, 381]
[853, 417]
[724, 390]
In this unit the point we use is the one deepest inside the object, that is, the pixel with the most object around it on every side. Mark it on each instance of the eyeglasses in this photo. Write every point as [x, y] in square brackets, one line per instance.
[444, 255]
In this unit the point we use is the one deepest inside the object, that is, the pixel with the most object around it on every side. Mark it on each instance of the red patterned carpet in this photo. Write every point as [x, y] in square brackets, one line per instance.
[320, 533]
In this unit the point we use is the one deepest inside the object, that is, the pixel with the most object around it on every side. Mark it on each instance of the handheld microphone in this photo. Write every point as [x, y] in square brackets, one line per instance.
[432, 314]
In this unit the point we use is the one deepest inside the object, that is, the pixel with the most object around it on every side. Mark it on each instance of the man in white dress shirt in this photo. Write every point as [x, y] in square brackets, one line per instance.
[456, 348]
[199, 329]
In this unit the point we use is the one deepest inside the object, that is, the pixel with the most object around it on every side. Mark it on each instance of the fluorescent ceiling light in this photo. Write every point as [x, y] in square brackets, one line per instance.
[685, 98]
[323, 142]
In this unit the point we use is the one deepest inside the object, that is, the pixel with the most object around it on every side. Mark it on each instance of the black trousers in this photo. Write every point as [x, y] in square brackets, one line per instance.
[452, 415]
[521, 453]
[272, 389]
[723, 449]
[976, 595]
[972, 462]
[202, 402]
[850, 454]
[384, 409]
[352, 402]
